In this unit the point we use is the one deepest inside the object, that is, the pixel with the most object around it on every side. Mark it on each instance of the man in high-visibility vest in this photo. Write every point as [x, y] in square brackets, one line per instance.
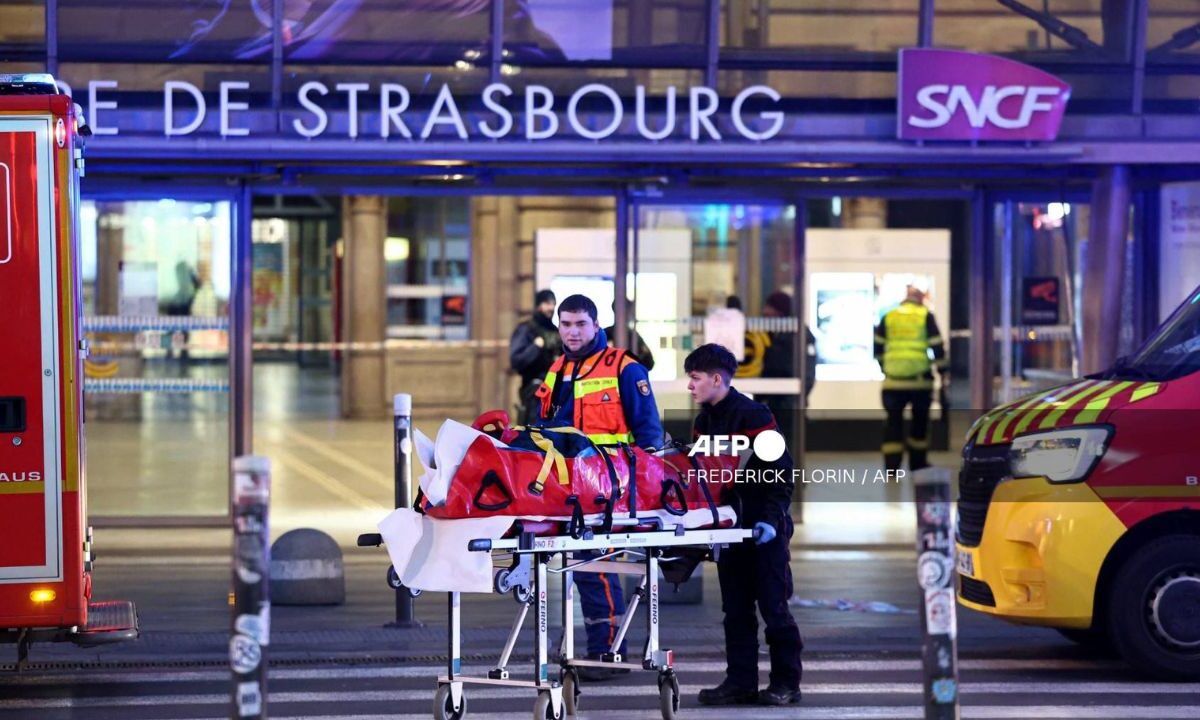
[606, 394]
[909, 347]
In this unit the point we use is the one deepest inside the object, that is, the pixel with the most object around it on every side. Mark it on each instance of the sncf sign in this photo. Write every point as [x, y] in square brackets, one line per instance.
[955, 95]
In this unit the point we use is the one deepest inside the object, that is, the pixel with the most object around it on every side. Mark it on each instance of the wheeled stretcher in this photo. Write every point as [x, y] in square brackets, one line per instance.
[533, 553]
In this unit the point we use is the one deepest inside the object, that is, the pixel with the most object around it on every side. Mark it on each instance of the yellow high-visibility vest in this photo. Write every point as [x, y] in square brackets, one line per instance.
[906, 345]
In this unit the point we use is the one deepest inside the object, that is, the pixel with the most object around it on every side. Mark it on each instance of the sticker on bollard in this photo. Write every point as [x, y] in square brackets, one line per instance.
[251, 621]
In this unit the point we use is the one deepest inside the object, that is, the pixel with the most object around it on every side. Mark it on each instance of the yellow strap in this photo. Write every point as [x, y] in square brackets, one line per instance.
[553, 457]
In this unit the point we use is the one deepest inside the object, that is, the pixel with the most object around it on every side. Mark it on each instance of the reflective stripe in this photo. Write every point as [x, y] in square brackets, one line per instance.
[1046, 400]
[594, 385]
[611, 438]
[1144, 392]
[893, 448]
[1062, 407]
[1093, 409]
[1014, 414]
[916, 444]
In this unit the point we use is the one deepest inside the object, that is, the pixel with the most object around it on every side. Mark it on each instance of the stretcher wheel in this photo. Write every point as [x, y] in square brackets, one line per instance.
[443, 708]
[570, 685]
[668, 695]
[543, 709]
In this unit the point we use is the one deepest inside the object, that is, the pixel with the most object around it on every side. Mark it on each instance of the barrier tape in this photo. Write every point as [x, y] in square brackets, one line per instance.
[159, 323]
[167, 385]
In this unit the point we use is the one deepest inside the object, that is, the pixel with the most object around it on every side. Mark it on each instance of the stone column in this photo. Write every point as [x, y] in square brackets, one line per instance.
[364, 307]
[866, 213]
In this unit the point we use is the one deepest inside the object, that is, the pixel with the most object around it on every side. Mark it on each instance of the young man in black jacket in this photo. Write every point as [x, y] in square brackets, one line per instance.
[758, 574]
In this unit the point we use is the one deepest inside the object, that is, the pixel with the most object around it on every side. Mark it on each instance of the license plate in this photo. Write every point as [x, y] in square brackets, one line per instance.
[966, 563]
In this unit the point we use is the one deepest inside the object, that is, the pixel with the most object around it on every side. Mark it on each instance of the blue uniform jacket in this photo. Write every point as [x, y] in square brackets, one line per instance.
[637, 399]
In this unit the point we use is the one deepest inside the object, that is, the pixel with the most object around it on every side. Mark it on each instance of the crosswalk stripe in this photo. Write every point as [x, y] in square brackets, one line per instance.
[874, 712]
[432, 671]
[486, 693]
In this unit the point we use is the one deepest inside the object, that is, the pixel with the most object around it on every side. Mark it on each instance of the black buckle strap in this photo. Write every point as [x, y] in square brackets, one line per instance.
[672, 485]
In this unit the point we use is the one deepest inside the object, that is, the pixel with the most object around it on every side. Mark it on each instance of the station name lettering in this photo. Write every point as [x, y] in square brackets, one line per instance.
[535, 114]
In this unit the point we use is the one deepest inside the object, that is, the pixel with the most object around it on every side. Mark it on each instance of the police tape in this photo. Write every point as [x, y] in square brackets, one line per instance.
[128, 386]
[158, 323]
[147, 341]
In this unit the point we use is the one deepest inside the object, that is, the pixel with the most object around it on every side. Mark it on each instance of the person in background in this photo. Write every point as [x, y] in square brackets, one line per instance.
[758, 574]
[779, 361]
[534, 347]
[756, 344]
[909, 347]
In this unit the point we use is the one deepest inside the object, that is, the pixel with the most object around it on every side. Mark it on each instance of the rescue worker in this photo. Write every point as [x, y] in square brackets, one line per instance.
[534, 347]
[904, 342]
[606, 394]
[750, 574]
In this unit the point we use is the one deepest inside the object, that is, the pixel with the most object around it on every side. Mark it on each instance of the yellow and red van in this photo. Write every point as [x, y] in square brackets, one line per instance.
[1079, 507]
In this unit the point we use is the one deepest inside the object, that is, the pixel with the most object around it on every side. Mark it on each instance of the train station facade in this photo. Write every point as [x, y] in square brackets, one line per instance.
[346, 204]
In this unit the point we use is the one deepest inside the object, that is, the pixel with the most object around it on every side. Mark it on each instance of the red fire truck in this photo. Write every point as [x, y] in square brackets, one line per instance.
[45, 542]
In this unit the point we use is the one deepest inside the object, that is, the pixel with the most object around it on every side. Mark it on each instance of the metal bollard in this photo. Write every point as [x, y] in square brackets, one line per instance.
[251, 586]
[402, 411]
[935, 572]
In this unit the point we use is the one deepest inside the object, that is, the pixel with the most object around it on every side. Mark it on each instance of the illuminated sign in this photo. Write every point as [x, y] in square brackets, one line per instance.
[955, 95]
[535, 113]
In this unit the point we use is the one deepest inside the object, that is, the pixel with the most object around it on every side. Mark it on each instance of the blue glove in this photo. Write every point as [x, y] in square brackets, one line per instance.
[763, 533]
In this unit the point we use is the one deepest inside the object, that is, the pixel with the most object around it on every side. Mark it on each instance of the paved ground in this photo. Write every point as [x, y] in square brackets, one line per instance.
[340, 662]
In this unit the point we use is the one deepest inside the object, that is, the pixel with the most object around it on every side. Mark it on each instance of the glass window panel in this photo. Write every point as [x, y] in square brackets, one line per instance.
[1173, 31]
[22, 23]
[987, 26]
[389, 31]
[156, 453]
[819, 91]
[819, 26]
[621, 32]
[187, 30]
[427, 256]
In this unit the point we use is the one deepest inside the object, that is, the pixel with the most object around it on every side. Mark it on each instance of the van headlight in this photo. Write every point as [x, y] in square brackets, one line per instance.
[1060, 456]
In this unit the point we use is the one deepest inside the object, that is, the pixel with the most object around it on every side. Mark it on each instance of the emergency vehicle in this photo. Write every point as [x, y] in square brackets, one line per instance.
[1079, 507]
[45, 543]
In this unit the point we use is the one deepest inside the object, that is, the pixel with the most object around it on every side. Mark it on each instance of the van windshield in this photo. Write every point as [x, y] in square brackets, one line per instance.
[1173, 352]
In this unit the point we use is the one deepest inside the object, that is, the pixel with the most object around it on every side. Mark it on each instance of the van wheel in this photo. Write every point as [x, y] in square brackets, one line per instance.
[1154, 612]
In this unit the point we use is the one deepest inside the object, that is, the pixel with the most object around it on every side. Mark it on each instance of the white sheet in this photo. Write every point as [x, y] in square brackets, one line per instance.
[442, 457]
[431, 554]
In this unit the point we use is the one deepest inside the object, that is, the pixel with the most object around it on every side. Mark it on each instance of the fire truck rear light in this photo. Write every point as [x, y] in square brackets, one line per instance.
[60, 133]
[42, 596]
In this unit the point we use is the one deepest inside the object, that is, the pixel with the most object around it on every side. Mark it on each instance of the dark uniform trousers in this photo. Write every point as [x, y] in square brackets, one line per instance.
[760, 575]
[894, 440]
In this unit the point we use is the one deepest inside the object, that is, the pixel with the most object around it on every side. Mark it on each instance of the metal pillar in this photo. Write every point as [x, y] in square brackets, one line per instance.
[620, 304]
[241, 356]
[925, 24]
[982, 284]
[402, 476]
[1104, 269]
[1006, 304]
[800, 343]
